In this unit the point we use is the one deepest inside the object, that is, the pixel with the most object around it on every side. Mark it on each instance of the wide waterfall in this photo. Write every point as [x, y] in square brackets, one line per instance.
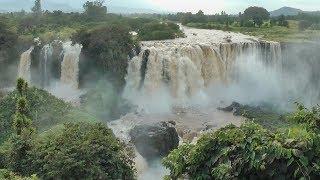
[181, 72]
[25, 65]
[70, 64]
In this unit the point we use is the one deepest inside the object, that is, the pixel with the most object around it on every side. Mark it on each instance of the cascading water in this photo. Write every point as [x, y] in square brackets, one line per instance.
[70, 64]
[180, 73]
[25, 65]
[46, 54]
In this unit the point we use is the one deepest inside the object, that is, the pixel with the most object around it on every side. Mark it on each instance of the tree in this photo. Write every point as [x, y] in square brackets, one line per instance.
[81, 151]
[105, 54]
[18, 145]
[36, 9]
[95, 10]
[8, 39]
[257, 14]
[186, 18]
[282, 21]
[21, 122]
[303, 25]
[8, 53]
[200, 17]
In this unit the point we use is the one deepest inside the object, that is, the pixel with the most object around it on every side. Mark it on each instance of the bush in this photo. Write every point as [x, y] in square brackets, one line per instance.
[159, 31]
[248, 152]
[6, 174]
[310, 117]
[81, 151]
[75, 151]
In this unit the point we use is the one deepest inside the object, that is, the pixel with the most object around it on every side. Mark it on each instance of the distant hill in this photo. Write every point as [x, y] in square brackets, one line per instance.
[287, 11]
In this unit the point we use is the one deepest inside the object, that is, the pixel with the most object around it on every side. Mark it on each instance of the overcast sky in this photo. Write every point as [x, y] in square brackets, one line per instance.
[208, 6]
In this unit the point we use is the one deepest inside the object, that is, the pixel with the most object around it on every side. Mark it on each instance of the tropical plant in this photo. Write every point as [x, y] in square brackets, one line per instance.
[249, 151]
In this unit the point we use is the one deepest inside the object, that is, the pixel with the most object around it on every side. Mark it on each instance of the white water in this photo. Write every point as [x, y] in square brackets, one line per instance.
[46, 53]
[70, 64]
[178, 74]
[25, 65]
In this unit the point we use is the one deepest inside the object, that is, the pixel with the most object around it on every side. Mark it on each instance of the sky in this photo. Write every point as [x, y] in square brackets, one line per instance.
[208, 6]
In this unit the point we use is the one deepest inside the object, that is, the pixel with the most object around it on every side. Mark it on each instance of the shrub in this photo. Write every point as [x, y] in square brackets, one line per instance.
[6, 174]
[159, 31]
[248, 152]
[302, 115]
[81, 151]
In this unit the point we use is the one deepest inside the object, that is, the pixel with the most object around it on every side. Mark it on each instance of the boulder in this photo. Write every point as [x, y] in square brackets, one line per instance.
[154, 141]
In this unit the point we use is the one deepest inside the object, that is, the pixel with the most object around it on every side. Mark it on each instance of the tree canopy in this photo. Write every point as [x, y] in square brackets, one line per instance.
[95, 10]
[37, 9]
[257, 14]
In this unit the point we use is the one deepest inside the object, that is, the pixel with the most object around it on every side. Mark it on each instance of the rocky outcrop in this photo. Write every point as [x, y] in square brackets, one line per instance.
[154, 141]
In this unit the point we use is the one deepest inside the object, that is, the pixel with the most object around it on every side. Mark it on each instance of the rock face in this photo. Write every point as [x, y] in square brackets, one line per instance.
[154, 141]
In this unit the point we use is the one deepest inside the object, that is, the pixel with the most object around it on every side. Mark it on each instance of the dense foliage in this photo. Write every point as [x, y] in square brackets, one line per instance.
[159, 31]
[253, 152]
[8, 52]
[257, 14]
[95, 10]
[77, 151]
[6, 174]
[87, 152]
[83, 150]
[105, 51]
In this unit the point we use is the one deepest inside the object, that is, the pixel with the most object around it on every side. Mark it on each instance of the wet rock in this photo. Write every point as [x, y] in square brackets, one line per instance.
[233, 107]
[154, 141]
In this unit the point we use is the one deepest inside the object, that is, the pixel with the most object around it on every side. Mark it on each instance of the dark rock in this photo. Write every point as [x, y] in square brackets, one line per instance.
[233, 107]
[154, 141]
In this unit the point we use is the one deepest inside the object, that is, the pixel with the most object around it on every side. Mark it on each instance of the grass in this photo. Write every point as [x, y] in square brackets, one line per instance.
[275, 33]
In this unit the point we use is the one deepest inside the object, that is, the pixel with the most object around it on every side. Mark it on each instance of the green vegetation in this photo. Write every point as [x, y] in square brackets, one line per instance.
[267, 32]
[43, 108]
[159, 31]
[42, 135]
[5, 174]
[95, 10]
[8, 53]
[257, 14]
[255, 21]
[18, 30]
[88, 151]
[68, 153]
[251, 151]
[105, 51]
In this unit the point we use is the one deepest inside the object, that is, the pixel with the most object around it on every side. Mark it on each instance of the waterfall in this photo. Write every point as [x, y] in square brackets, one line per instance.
[25, 65]
[70, 64]
[46, 54]
[181, 72]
